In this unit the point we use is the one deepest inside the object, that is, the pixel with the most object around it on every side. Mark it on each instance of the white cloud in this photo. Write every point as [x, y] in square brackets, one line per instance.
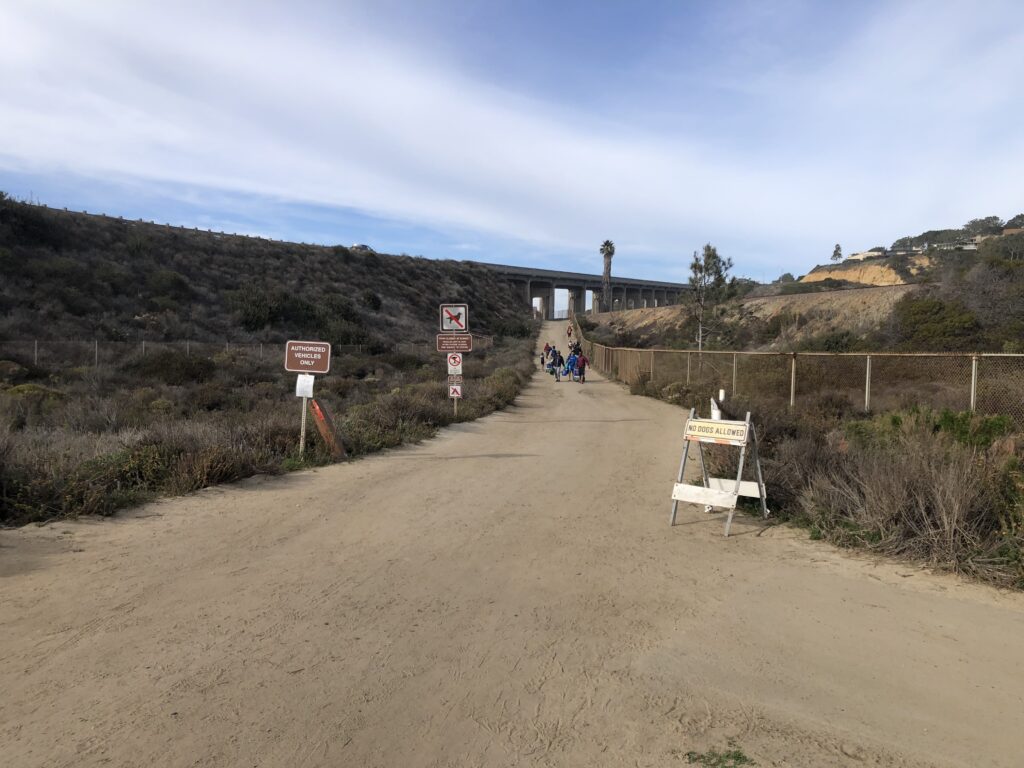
[892, 134]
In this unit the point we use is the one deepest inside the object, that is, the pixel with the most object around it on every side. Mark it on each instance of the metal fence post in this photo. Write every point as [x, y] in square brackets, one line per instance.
[687, 369]
[96, 352]
[143, 347]
[188, 348]
[733, 376]
[261, 351]
[974, 382]
[867, 385]
[792, 381]
[35, 352]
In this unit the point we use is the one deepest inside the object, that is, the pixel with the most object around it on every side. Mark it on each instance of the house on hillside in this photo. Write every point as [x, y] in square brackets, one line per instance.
[865, 255]
[908, 250]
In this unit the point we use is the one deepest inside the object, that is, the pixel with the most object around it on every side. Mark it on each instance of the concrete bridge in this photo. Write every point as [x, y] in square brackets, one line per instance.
[626, 292]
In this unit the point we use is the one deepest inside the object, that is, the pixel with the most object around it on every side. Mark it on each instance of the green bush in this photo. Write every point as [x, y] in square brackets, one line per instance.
[928, 323]
[172, 367]
[371, 300]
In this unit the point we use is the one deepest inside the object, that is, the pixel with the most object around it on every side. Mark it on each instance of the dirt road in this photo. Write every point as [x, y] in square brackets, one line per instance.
[507, 594]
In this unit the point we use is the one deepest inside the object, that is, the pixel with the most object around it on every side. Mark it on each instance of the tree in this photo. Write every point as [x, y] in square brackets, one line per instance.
[837, 253]
[990, 225]
[1016, 221]
[607, 250]
[710, 284]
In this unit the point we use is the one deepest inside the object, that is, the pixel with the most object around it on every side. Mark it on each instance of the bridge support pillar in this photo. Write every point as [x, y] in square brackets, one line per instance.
[577, 301]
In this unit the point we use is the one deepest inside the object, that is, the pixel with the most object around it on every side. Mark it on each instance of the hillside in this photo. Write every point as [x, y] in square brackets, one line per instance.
[94, 433]
[918, 258]
[73, 275]
[873, 271]
[768, 323]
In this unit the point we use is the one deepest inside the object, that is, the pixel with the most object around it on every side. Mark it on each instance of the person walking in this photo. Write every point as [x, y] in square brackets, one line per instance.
[559, 362]
[581, 367]
[570, 365]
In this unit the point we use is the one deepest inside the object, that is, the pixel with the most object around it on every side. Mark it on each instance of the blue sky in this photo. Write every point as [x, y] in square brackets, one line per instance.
[524, 132]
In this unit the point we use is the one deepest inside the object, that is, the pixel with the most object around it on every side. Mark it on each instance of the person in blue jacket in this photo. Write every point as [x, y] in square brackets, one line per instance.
[570, 365]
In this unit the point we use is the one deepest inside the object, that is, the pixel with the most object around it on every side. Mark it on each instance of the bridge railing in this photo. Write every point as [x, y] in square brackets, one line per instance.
[991, 384]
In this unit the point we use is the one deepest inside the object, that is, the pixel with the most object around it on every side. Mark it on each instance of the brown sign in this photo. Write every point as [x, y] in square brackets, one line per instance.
[307, 356]
[455, 378]
[454, 342]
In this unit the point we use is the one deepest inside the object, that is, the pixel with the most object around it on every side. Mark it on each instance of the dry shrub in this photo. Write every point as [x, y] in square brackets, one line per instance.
[99, 451]
[914, 490]
[923, 496]
[927, 486]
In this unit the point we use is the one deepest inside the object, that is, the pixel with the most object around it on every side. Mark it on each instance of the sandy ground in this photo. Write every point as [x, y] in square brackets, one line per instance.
[509, 593]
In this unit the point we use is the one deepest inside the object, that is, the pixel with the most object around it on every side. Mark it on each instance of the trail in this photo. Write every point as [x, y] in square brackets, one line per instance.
[507, 594]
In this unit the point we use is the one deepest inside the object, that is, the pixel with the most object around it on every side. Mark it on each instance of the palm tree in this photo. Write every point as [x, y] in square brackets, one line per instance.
[607, 250]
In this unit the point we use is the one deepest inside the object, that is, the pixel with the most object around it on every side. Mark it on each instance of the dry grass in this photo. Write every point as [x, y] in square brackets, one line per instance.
[942, 489]
[97, 442]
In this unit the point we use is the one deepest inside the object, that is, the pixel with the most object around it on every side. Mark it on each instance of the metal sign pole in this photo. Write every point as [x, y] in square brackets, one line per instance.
[739, 480]
[302, 435]
[682, 470]
[760, 475]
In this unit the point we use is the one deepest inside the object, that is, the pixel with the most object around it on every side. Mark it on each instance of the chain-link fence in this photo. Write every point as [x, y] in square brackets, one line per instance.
[986, 383]
[65, 354]
[62, 355]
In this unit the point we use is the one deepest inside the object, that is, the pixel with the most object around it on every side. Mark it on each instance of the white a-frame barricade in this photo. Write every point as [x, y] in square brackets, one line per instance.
[717, 492]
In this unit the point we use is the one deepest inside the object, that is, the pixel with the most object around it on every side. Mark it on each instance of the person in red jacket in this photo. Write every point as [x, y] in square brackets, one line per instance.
[581, 366]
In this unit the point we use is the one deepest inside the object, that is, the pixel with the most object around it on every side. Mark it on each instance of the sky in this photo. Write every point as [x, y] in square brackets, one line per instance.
[524, 131]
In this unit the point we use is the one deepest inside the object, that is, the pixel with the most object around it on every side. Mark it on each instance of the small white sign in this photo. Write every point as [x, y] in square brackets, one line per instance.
[304, 385]
[455, 363]
[455, 391]
[455, 318]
